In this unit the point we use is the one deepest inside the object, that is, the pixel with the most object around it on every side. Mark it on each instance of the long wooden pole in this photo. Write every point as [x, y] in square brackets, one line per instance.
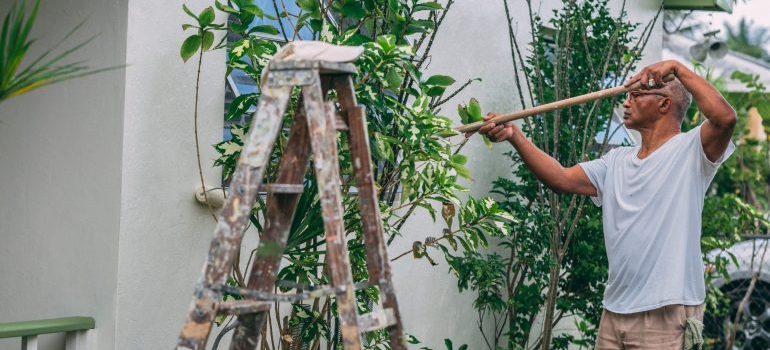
[548, 107]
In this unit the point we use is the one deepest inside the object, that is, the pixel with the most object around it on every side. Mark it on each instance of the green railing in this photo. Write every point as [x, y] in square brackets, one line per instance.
[76, 328]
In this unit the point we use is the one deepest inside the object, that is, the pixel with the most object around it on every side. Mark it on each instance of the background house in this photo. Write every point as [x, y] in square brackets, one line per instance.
[677, 46]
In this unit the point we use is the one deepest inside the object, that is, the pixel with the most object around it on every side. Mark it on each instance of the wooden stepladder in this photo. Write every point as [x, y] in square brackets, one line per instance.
[313, 131]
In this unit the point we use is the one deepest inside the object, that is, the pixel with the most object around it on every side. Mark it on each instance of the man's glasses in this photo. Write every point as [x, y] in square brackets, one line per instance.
[632, 95]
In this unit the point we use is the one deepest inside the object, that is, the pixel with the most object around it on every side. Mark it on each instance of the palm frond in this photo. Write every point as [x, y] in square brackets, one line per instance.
[43, 70]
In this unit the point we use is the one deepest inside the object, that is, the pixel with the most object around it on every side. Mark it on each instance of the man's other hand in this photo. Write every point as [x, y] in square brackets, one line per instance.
[651, 76]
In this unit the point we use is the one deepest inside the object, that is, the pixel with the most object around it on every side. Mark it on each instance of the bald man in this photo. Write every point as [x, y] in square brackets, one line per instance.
[652, 198]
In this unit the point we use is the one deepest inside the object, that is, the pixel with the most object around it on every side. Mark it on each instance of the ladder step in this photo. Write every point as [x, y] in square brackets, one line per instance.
[308, 292]
[376, 320]
[237, 307]
[282, 188]
[339, 122]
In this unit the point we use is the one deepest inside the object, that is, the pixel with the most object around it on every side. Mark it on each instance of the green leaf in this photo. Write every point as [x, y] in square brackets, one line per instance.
[240, 105]
[357, 39]
[387, 42]
[316, 24]
[462, 171]
[240, 47]
[424, 23]
[459, 159]
[452, 242]
[208, 40]
[435, 90]
[429, 208]
[430, 260]
[393, 79]
[428, 6]
[190, 46]
[264, 28]
[406, 191]
[413, 29]
[301, 313]
[228, 148]
[742, 76]
[462, 110]
[224, 8]
[474, 111]
[487, 142]
[206, 17]
[188, 26]
[448, 344]
[440, 80]
[309, 6]
[254, 10]
[190, 13]
[353, 9]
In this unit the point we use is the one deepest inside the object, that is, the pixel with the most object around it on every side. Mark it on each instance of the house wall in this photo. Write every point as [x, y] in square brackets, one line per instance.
[164, 233]
[60, 177]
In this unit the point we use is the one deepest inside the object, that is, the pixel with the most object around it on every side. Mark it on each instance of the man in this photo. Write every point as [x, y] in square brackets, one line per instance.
[651, 198]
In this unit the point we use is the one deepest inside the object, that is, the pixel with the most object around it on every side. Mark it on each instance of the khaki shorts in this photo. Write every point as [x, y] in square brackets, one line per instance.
[658, 329]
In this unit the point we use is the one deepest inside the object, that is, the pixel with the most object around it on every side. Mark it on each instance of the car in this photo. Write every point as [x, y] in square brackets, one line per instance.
[753, 331]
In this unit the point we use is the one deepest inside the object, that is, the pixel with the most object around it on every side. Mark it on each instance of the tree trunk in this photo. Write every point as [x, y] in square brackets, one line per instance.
[550, 305]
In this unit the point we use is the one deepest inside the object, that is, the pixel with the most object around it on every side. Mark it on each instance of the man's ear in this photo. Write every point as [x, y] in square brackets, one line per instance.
[665, 105]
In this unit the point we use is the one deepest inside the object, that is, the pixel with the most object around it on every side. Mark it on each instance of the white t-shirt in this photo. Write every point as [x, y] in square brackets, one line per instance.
[651, 212]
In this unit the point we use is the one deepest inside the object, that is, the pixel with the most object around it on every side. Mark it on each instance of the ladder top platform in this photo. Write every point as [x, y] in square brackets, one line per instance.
[325, 67]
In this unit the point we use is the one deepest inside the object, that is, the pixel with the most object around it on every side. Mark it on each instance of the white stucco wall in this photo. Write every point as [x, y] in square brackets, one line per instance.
[164, 233]
[60, 174]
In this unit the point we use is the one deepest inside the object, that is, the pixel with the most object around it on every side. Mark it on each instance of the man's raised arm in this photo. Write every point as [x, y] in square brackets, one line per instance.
[547, 169]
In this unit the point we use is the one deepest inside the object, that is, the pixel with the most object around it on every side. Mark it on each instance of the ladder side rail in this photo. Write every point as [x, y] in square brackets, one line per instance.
[226, 243]
[281, 208]
[323, 140]
[376, 253]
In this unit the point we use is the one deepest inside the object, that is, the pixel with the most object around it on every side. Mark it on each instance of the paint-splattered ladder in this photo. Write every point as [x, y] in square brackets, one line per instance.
[313, 131]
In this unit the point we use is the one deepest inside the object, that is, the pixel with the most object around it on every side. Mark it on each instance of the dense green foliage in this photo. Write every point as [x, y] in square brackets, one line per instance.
[748, 38]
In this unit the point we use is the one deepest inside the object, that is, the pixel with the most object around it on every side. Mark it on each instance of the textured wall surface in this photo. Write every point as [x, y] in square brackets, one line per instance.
[60, 174]
[164, 233]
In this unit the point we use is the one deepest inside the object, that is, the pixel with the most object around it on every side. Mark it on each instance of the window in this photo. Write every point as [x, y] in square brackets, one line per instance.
[238, 82]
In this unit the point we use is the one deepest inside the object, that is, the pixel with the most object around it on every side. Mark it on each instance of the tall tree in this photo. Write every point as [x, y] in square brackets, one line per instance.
[748, 38]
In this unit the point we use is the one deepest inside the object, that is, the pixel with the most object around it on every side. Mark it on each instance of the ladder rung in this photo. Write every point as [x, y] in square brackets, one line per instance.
[376, 320]
[312, 293]
[282, 188]
[339, 122]
[237, 307]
